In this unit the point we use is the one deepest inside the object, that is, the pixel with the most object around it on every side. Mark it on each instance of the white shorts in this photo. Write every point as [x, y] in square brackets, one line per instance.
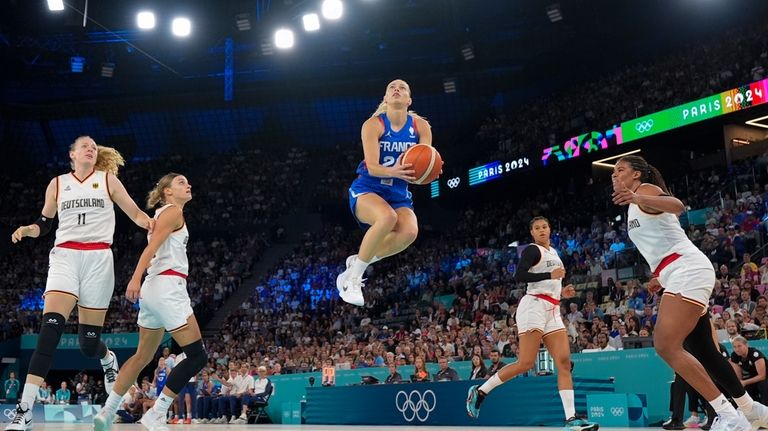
[164, 303]
[88, 275]
[692, 276]
[538, 314]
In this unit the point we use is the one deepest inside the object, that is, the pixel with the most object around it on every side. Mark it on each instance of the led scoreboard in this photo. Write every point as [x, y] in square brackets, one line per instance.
[726, 102]
[495, 170]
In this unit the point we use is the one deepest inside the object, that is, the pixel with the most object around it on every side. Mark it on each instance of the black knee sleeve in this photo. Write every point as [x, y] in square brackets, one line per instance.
[700, 344]
[90, 341]
[195, 361]
[47, 341]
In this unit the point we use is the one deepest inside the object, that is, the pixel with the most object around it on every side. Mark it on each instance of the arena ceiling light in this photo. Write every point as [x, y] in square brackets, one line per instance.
[602, 163]
[759, 122]
[554, 13]
[449, 85]
[181, 27]
[284, 38]
[311, 22]
[145, 20]
[468, 51]
[107, 70]
[243, 21]
[55, 5]
[332, 9]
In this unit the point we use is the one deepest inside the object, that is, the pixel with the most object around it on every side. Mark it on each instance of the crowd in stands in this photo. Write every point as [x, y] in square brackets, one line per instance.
[449, 297]
[700, 70]
[294, 317]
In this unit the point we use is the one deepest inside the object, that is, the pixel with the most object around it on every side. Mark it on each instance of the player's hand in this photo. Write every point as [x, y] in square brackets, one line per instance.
[557, 273]
[132, 293]
[654, 286]
[402, 171]
[569, 291]
[622, 195]
[19, 233]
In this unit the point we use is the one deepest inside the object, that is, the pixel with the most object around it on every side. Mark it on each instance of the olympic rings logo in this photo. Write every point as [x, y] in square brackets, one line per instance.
[644, 126]
[454, 182]
[415, 405]
[617, 411]
[10, 414]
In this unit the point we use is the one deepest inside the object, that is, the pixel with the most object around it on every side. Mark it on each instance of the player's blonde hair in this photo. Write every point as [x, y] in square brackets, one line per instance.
[382, 108]
[156, 195]
[107, 159]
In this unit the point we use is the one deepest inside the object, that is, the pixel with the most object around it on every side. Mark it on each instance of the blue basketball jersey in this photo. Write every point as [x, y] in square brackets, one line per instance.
[162, 377]
[391, 144]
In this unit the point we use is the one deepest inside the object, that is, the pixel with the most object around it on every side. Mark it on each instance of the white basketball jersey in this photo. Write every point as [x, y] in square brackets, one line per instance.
[172, 254]
[549, 261]
[86, 212]
[657, 236]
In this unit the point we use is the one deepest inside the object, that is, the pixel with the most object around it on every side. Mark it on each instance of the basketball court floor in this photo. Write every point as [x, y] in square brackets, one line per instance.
[261, 427]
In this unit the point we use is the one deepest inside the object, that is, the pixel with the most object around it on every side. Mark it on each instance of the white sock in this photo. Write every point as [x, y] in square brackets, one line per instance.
[744, 402]
[163, 403]
[107, 360]
[375, 259]
[358, 268]
[113, 402]
[29, 394]
[721, 405]
[491, 384]
[566, 396]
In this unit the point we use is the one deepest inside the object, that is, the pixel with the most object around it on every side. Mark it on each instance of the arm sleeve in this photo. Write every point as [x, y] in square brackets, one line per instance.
[531, 256]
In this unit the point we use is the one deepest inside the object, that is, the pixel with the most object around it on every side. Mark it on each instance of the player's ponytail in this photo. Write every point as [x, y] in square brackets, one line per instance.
[648, 173]
[108, 159]
[382, 108]
[156, 196]
[654, 177]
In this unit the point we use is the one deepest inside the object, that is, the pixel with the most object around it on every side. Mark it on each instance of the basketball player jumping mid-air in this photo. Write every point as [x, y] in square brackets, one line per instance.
[379, 197]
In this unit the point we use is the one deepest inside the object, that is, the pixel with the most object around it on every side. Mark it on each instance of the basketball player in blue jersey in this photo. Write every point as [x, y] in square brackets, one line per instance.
[379, 197]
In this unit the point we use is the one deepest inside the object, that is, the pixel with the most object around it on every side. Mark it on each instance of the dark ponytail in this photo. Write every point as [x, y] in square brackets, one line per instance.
[648, 173]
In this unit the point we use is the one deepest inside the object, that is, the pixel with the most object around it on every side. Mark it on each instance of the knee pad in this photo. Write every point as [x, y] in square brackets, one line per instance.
[90, 341]
[195, 361]
[47, 341]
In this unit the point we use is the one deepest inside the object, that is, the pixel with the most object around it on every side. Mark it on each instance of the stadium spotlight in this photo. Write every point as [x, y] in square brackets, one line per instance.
[55, 5]
[284, 38]
[332, 9]
[145, 20]
[181, 27]
[602, 162]
[311, 22]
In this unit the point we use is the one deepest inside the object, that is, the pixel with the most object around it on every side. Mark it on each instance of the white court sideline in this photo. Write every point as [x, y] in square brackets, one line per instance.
[260, 427]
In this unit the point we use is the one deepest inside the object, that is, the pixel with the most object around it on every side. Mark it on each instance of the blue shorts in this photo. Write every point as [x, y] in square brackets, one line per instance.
[396, 198]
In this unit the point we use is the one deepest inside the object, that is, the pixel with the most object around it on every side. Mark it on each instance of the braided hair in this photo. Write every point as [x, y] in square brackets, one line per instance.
[648, 173]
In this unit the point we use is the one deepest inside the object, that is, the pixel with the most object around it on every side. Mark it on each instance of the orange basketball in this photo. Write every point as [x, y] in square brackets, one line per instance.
[426, 162]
